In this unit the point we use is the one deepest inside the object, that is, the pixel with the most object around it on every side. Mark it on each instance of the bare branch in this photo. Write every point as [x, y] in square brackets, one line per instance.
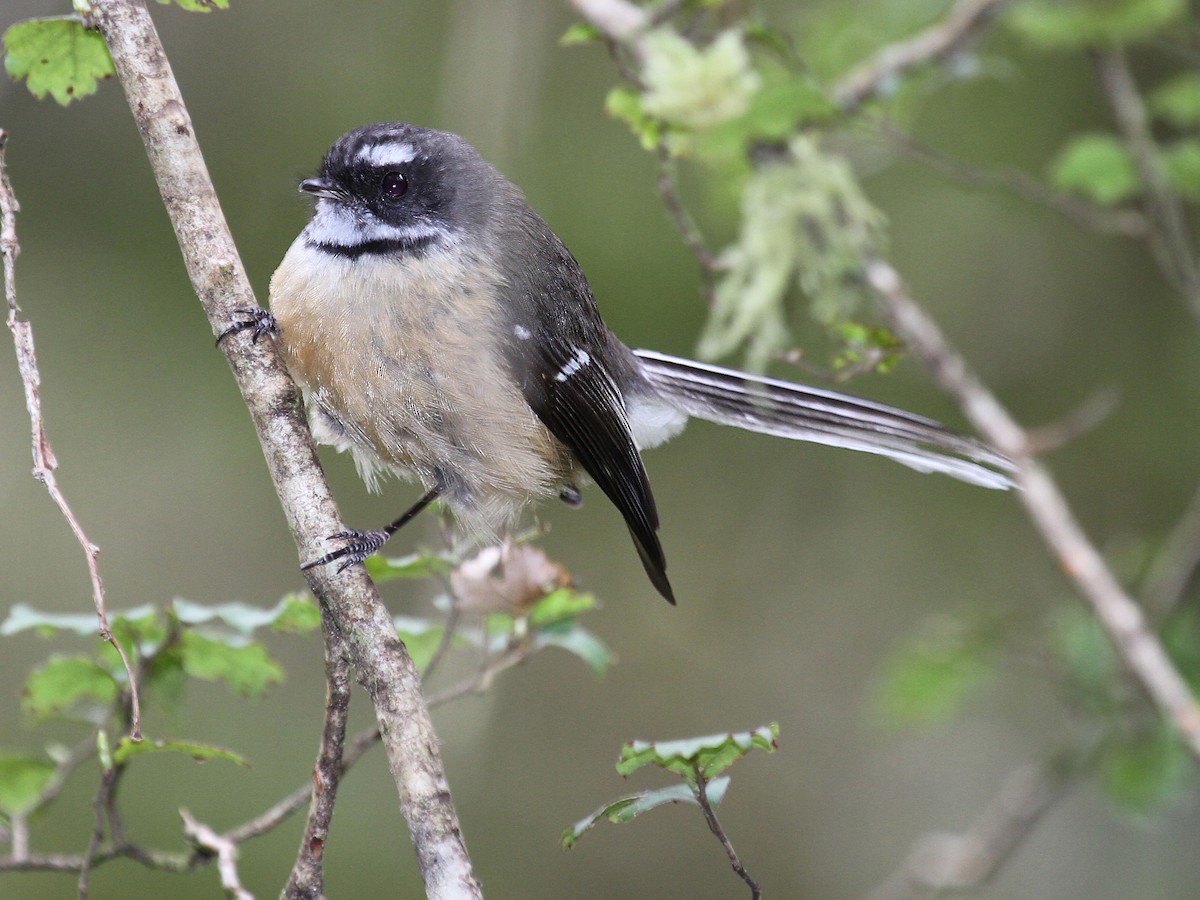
[619, 20]
[1169, 238]
[209, 843]
[44, 462]
[965, 21]
[714, 825]
[307, 879]
[1123, 222]
[1175, 564]
[1120, 616]
[380, 660]
[668, 189]
[940, 861]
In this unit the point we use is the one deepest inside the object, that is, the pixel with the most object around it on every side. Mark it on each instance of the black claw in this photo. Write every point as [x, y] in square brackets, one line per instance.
[360, 545]
[258, 321]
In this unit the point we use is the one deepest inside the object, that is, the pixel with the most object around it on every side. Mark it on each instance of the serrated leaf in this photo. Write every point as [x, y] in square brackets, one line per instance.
[57, 56]
[1082, 24]
[1182, 160]
[22, 780]
[416, 565]
[1178, 101]
[241, 617]
[422, 637]
[581, 642]
[712, 754]
[1144, 774]
[126, 749]
[1097, 166]
[580, 33]
[22, 617]
[928, 679]
[247, 668]
[64, 681]
[297, 614]
[626, 809]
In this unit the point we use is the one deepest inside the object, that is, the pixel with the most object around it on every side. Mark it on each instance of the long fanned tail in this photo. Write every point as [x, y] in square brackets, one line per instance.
[803, 413]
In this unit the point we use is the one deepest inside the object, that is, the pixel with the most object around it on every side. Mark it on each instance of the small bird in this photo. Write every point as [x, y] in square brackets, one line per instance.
[440, 330]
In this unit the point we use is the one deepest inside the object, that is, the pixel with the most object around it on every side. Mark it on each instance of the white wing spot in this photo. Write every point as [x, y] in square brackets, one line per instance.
[522, 332]
[574, 364]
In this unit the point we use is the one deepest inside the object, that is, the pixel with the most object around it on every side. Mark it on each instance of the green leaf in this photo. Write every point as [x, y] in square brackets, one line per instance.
[296, 613]
[1097, 166]
[580, 642]
[626, 809]
[22, 780]
[581, 33]
[1181, 637]
[560, 605]
[1081, 24]
[241, 617]
[23, 618]
[422, 637]
[775, 113]
[416, 565]
[1087, 653]
[126, 749]
[1178, 101]
[246, 668]
[712, 754]
[165, 677]
[626, 104]
[64, 681]
[1142, 775]
[1182, 160]
[56, 56]
[197, 5]
[928, 679]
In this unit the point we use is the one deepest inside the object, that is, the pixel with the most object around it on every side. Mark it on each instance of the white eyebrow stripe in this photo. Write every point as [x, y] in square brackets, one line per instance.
[386, 154]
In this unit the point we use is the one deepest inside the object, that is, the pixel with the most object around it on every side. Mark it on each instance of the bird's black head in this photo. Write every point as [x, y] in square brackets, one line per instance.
[396, 188]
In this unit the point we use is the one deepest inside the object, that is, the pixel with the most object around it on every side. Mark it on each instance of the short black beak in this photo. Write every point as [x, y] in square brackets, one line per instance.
[321, 187]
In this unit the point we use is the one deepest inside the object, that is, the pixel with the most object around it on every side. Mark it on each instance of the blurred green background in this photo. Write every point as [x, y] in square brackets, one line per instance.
[798, 568]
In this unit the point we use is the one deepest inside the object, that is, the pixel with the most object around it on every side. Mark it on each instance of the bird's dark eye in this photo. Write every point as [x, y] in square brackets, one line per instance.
[394, 185]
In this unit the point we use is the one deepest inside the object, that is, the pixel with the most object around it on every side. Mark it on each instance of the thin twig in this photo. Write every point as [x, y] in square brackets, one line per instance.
[714, 825]
[620, 21]
[44, 462]
[211, 844]
[1175, 564]
[100, 809]
[964, 22]
[380, 660]
[1170, 239]
[940, 861]
[513, 655]
[1127, 223]
[308, 879]
[689, 231]
[1119, 615]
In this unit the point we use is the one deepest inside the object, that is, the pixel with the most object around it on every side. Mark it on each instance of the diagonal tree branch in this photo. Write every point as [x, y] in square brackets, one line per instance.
[1121, 617]
[945, 37]
[380, 660]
